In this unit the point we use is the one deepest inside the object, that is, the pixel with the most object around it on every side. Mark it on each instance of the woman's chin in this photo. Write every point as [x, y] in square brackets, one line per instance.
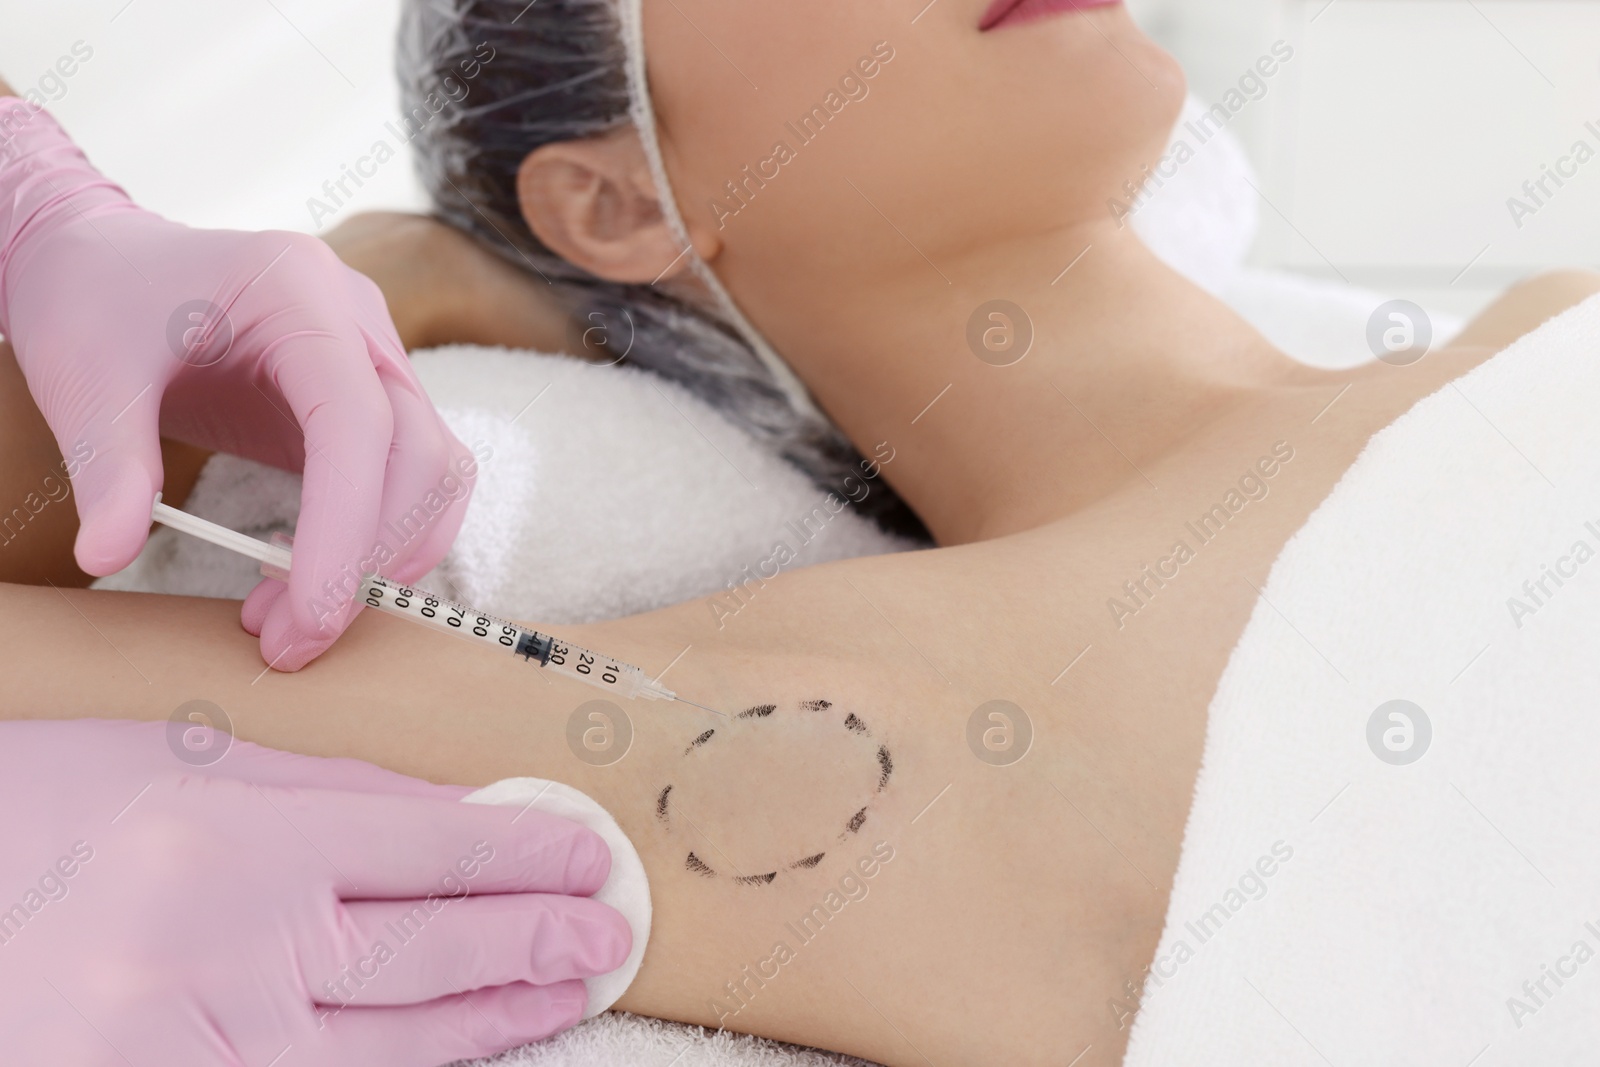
[1171, 80]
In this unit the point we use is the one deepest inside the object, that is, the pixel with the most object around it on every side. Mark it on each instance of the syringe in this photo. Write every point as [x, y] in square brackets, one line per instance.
[435, 612]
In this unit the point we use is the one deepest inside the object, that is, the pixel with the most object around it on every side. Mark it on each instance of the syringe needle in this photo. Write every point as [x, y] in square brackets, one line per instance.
[702, 707]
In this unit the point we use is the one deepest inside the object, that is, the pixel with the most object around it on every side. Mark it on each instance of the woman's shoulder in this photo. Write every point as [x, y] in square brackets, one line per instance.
[1526, 306]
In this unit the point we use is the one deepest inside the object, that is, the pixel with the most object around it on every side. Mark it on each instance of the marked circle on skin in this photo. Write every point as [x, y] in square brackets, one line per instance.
[1399, 333]
[199, 733]
[199, 333]
[1399, 733]
[599, 733]
[999, 733]
[1000, 333]
[770, 793]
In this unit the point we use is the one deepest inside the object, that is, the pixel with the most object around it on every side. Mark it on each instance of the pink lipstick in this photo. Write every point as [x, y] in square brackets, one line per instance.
[1015, 12]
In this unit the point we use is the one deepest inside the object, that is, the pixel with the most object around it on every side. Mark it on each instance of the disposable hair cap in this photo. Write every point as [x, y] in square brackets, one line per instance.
[631, 13]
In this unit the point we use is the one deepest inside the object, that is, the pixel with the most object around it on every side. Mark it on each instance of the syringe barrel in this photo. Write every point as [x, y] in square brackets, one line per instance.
[542, 650]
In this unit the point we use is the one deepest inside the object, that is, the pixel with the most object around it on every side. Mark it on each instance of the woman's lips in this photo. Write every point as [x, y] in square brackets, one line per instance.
[1013, 12]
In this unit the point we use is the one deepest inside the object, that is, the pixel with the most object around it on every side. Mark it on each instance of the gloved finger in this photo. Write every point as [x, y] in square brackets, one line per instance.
[253, 614]
[447, 944]
[116, 487]
[333, 390]
[464, 467]
[424, 493]
[442, 535]
[421, 420]
[403, 848]
[465, 1026]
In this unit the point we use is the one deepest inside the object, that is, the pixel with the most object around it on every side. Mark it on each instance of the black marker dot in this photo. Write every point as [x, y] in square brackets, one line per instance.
[661, 804]
[697, 742]
[817, 705]
[698, 866]
[757, 879]
[886, 765]
[760, 711]
[808, 863]
[857, 821]
[855, 725]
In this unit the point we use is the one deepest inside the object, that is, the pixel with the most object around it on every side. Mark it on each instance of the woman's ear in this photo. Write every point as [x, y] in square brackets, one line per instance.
[594, 203]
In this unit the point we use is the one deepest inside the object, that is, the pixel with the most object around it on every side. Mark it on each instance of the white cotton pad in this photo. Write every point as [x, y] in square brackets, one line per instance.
[627, 890]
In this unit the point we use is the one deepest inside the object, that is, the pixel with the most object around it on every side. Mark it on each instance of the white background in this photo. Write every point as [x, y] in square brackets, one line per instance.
[1387, 147]
[221, 112]
[1395, 136]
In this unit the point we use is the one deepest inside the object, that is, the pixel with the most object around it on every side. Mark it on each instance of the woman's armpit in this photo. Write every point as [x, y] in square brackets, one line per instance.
[764, 798]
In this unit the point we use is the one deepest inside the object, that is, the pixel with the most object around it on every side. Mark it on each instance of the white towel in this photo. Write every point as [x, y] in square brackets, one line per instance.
[622, 1040]
[1335, 907]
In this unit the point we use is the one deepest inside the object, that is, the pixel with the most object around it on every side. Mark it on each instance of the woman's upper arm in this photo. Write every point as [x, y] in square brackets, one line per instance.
[442, 287]
[833, 732]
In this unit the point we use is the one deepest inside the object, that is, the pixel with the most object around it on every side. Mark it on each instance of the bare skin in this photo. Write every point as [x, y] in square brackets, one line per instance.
[1007, 904]
[444, 285]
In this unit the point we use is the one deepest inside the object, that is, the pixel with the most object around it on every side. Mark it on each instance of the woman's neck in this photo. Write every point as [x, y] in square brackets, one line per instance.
[1128, 358]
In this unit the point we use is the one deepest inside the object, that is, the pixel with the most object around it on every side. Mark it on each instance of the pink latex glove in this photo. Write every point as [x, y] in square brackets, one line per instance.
[262, 345]
[278, 909]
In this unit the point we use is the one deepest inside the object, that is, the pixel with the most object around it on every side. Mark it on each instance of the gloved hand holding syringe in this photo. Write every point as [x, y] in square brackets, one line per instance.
[435, 612]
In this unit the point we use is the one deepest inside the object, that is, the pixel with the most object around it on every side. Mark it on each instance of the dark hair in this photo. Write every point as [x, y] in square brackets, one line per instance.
[551, 71]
